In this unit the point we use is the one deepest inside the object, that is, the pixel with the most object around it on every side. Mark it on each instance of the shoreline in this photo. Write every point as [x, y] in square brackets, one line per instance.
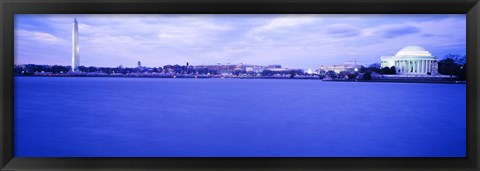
[404, 81]
[174, 77]
[435, 81]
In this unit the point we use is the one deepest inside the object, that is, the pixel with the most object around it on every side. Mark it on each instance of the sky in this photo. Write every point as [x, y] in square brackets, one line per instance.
[293, 41]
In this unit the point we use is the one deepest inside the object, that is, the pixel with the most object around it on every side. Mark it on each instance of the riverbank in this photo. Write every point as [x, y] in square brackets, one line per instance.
[441, 81]
[403, 80]
[179, 76]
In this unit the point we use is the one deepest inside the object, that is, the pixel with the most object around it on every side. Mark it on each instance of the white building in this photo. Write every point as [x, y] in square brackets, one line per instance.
[412, 60]
[348, 66]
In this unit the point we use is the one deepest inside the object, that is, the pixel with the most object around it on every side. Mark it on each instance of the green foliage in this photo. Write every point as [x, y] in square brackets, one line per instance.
[331, 74]
[367, 76]
[453, 67]
[352, 76]
[388, 71]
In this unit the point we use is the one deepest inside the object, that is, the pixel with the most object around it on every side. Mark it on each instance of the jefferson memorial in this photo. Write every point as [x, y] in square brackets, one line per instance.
[412, 60]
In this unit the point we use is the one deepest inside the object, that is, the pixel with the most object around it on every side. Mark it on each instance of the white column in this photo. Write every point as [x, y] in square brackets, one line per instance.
[416, 66]
[413, 66]
[410, 66]
[419, 66]
[407, 65]
[429, 65]
[399, 66]
[426, 66]
[422, 65]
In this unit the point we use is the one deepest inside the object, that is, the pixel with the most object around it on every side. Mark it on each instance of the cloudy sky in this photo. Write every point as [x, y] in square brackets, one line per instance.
[294, 41]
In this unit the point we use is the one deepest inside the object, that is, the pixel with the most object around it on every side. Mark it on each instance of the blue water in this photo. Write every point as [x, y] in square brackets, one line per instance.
[130, 117]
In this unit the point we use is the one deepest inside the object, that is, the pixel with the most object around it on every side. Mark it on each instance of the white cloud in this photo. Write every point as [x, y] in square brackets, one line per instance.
[38, 36]
[284, 22]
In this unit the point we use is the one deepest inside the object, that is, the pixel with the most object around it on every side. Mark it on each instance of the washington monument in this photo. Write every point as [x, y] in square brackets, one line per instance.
[75, 46]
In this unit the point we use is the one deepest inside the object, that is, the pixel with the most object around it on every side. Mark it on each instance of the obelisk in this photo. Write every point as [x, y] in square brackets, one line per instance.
[75, 47]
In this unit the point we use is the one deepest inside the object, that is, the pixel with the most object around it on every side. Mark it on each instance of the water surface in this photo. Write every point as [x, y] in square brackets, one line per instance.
[133, 117]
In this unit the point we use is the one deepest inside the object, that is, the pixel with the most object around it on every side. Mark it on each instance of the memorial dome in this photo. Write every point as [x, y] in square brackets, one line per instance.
[413, 51]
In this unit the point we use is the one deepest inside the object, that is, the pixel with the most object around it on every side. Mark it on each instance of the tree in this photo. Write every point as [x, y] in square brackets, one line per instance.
[352, 76]
[94, 69]
[18, 70]
[453, 65]
[462, 75]
[239, 72]
[331, 74]
[448, 66]
[459, 59]
[322, 72]
[343, 74]
[82, 69]
[393, 70]
[388, 70]
[40, 68]
[375, 66]
[367, 76]
[267, 73]
[58, 69]
[385, 70]
[363, 69]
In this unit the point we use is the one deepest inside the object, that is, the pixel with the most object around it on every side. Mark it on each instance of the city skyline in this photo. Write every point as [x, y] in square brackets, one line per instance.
[294, 41]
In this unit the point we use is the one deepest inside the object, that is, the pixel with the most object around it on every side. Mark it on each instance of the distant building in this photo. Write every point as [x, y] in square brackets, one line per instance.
[277, 69]
[412, 60]
[285, 70]
[255, 68]
[219, 68]
[139, 64]
[349, 66]
[274, 66]
[309, 71]
[231, 68]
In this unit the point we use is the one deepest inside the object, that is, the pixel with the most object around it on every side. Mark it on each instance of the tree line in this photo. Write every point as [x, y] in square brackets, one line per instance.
[31, 69]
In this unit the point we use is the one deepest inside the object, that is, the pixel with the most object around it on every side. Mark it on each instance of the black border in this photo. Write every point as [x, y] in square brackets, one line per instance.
[10, 7]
